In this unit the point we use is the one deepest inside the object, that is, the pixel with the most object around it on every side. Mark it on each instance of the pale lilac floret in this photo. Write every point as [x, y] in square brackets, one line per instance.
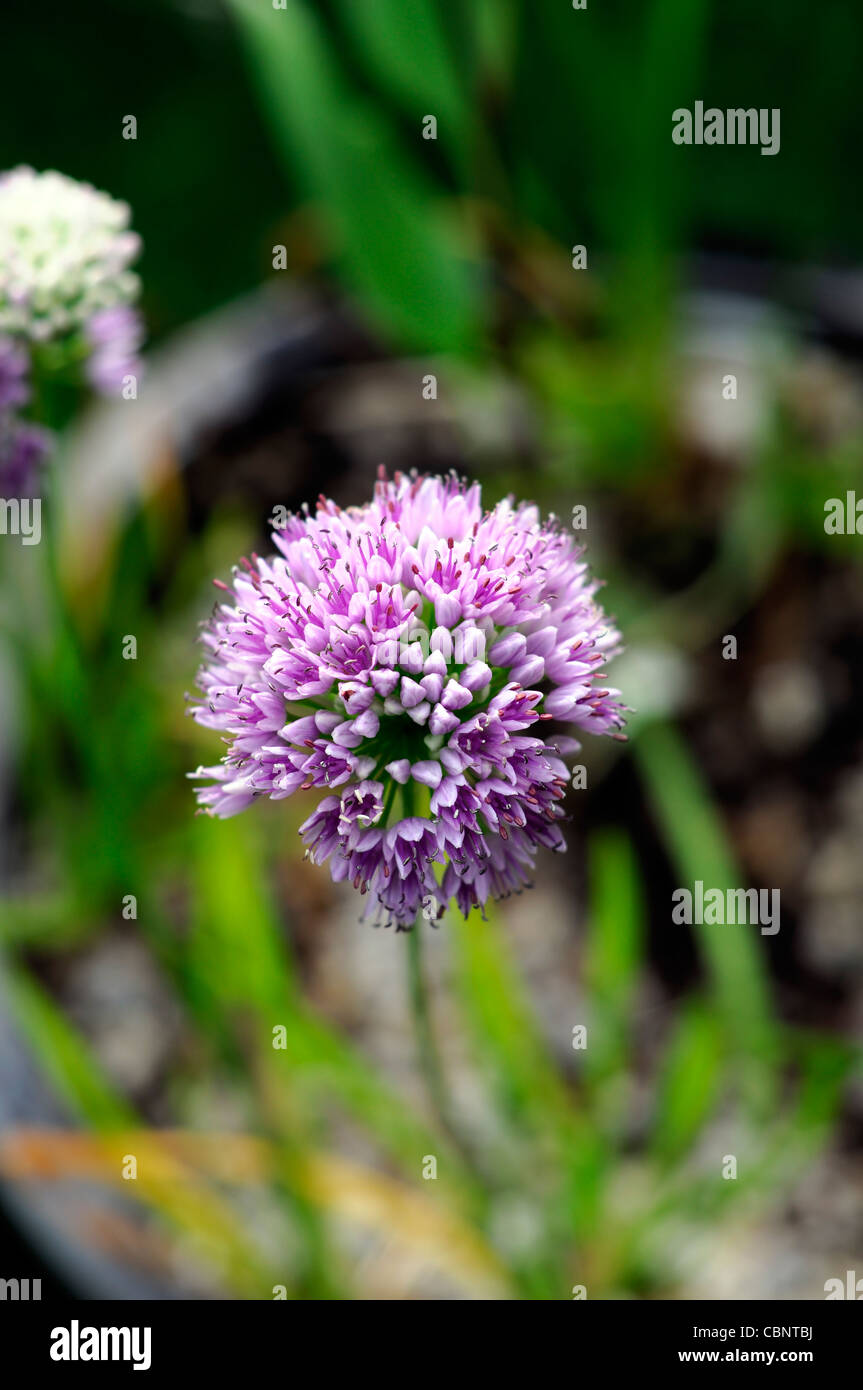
[14, 370]
[406, 657]
[115, 336]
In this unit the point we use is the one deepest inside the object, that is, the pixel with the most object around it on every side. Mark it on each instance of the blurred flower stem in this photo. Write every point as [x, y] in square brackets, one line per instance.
[428, 1054]
[427, 1050]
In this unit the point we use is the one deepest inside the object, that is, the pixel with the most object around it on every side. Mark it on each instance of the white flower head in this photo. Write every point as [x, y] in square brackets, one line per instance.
[65, 252]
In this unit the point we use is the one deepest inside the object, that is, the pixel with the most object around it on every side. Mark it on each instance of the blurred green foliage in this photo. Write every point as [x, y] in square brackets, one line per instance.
[578, 105]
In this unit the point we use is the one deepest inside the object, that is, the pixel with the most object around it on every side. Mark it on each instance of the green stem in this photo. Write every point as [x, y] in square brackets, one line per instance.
[427, 1051]
[428, 1054]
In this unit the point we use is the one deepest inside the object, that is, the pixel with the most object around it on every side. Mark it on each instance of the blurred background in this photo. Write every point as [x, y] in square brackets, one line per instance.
[148, 954]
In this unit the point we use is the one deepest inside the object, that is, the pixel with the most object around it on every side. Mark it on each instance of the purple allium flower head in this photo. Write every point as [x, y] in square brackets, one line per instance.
[14, 367]
[405, 657]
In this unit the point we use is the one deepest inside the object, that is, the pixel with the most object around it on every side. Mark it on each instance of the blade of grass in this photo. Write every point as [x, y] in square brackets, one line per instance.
[186, 1204]
[403, 43]
[65, 1056]
[689, 1082]
[397, 248]
[698, 848]
[531, 1090]
[239, 959]
[614, 950]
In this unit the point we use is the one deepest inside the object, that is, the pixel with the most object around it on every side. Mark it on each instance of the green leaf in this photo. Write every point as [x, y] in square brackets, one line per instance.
[66, 1057]
[404, 44]
[614, 948]
[237, 953]
[698, 848]
[689, 1084]
[239, 965]
[398, 248]
[189, 1205]
[502, 1017]
[531, 1088]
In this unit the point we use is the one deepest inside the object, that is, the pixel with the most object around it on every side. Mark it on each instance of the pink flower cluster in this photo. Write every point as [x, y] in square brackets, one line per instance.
[406, 657]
